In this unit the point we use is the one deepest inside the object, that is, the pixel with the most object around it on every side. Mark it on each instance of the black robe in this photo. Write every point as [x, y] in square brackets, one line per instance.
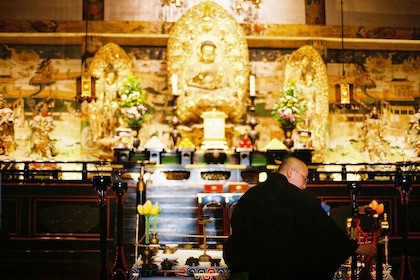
[282, 232]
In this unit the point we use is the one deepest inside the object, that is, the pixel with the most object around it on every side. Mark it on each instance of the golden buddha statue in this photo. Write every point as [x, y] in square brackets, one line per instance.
[208, 52]
[207, 76]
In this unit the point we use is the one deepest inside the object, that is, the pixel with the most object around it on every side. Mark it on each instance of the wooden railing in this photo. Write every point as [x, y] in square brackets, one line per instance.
[318, 172]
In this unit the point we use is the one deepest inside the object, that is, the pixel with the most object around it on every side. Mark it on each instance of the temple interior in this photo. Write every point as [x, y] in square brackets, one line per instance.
[106, 106]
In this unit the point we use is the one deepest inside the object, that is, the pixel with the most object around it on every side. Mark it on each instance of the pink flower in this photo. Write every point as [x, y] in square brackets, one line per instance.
[288, 111]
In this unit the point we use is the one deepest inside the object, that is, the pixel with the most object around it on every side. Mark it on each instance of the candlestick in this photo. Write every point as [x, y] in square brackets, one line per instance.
[404, 184]
[204, 220]
[120, 270]
[102, 185]
[252, 85]
[140, 200]
[253, 135]
[354, 190]
[175, 133]
[174, 81]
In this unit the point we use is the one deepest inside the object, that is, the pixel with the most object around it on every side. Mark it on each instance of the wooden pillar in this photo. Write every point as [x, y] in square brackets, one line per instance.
[315, 12]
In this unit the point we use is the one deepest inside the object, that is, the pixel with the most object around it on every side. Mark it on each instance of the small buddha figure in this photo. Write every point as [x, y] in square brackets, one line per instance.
[208, 87]
[7, 132]
[206, 75]
[41, 126]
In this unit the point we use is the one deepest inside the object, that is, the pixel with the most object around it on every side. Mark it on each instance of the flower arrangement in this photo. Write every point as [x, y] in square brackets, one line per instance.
[288, 112]
[132, 108]
[149, 210]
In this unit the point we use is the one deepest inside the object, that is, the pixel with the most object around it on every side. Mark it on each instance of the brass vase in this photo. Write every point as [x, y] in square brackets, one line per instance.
[288, 141]
[154, 239]
[135, 130]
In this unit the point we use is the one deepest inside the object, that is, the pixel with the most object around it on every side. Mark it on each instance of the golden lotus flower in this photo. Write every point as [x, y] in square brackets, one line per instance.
[155, 209]
[146, 208]
[140, 209]
[379, 208]
[373, 204]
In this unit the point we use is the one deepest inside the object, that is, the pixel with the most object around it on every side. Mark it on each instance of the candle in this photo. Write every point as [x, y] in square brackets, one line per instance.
[252, 85]
[174, 81]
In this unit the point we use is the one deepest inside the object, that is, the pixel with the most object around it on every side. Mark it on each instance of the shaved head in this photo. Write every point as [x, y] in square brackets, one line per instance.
[295, 171]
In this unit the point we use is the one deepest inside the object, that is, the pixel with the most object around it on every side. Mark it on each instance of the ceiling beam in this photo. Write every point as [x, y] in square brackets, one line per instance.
[147, 34]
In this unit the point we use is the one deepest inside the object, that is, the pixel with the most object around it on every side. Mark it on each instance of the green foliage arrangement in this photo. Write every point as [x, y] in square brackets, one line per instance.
[289, 111]
[132, 105]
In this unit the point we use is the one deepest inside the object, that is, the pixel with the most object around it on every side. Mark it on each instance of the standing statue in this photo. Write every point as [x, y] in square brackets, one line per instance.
[41, 126]
[307, 88]
[111, 66]
[373, 136]
[7, 131]
[102, 111]
[308, 71]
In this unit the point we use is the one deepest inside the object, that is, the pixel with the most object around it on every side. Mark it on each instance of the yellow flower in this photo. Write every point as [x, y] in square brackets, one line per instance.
[155, 209]
[140, 209]
[146, 208]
